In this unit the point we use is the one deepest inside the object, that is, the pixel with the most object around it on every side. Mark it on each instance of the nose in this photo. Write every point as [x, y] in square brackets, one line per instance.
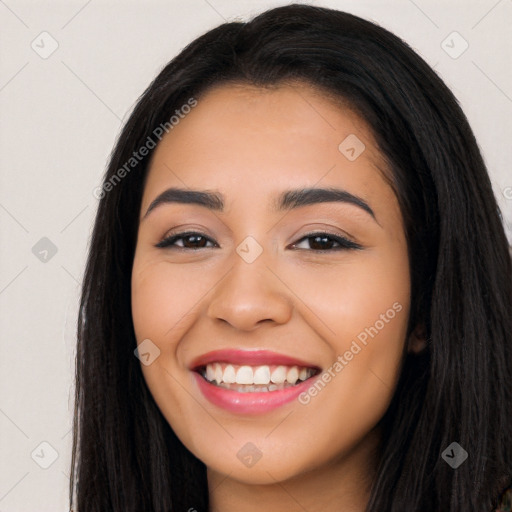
[249, 295]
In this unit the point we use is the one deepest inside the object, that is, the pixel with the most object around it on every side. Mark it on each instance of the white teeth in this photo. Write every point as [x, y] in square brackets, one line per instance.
[247, 378]
[262, 375]
[229, 375]
[210, 372]
[218, 373]
[278, 375]
[293, 375]
[244, 375]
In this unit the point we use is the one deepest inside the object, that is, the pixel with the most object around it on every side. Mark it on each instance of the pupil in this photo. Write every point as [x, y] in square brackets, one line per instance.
[195, 238]
[321, 245]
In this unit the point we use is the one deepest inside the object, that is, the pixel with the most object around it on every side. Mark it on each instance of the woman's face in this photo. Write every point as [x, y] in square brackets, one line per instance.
[273, 284]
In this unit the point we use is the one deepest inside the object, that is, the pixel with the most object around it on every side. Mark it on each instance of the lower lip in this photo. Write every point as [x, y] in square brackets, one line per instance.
[249, 402]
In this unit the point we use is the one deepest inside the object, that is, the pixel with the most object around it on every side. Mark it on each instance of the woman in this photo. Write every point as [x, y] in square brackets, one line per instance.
[298, 240]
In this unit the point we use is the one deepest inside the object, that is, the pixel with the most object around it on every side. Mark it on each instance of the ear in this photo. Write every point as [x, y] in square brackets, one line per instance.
[417, 341]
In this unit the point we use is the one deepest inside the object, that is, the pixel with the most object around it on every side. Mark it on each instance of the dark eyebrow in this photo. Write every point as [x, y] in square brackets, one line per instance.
[305, 196]
[211, 200]
[288, 200]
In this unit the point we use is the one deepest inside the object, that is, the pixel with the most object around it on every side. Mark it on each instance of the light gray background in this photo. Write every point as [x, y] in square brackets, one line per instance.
[60, 116]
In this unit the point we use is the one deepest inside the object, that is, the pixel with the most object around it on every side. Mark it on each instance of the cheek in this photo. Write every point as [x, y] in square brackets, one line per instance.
[361, 309]
[152, 305]
[163, 299]
[360, 296]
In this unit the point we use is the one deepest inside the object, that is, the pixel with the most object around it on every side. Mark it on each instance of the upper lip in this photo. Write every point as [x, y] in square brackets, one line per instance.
[248, 357]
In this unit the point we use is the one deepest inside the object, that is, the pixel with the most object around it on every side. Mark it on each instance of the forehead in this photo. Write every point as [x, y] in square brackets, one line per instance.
[254, 141]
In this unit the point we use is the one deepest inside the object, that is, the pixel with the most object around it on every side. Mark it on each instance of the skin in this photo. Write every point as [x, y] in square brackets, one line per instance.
[250, 144]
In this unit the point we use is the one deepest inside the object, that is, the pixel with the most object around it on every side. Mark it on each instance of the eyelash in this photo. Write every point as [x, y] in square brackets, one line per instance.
[344, 243]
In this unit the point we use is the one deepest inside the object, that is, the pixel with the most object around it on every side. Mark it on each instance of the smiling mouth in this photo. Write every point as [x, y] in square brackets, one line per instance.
[255, 379]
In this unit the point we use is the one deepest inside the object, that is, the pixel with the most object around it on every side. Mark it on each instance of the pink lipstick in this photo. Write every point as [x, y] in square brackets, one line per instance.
[251, 381]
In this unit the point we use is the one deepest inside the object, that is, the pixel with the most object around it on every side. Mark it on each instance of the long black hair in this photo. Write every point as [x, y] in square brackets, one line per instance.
[458, 389]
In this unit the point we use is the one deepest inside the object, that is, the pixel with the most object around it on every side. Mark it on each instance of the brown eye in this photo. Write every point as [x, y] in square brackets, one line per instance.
[325, 241]
[318, 242]
[191, 240]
